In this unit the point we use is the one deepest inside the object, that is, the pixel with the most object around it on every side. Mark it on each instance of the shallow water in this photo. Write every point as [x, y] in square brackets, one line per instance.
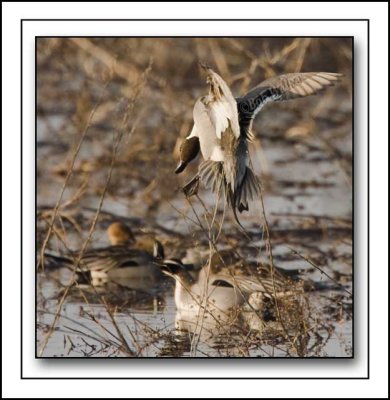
[145, 315]
[147, 320]
[87, 330]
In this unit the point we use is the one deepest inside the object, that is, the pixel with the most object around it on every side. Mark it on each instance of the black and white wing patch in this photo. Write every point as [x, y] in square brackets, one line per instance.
[283, 87]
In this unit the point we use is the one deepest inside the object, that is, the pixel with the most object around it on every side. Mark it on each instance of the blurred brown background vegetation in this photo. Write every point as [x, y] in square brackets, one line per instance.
[139, 93]
[111, 113]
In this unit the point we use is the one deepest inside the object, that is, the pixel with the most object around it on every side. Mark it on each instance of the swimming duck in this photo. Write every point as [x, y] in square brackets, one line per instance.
[120, 234]
[120, 261]
[222, 131]
[223, 286]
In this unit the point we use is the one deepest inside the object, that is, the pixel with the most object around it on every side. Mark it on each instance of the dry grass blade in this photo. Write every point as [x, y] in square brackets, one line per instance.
[68, 175]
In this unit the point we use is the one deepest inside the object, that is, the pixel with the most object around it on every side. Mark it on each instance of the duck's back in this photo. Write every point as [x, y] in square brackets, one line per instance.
[206, 131]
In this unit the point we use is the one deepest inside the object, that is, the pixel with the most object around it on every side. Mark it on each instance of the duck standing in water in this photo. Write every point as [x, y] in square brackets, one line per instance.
[222, 131]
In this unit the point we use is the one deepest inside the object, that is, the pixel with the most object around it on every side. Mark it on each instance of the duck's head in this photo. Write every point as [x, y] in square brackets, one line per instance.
[189, 149]
[120, 234]
[177, 270]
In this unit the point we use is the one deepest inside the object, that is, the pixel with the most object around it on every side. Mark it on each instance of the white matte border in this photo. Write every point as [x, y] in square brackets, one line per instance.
[10, 128]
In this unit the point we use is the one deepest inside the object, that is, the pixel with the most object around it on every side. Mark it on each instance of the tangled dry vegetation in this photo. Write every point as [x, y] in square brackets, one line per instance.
[111, 115]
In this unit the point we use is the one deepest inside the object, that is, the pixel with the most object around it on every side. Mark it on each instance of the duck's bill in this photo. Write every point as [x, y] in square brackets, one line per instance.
[166, 271]
[158, 250]
[171, 267]
[181, 167]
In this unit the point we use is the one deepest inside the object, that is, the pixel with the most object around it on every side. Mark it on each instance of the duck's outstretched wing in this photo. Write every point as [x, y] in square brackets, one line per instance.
[283, 87]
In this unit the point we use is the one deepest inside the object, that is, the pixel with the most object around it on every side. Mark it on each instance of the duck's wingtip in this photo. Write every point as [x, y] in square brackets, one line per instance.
[331, 75]
[191, 188]
[338, 74]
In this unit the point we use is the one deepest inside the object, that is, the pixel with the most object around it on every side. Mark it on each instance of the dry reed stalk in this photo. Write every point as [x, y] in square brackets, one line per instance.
[68, 175]
[139, 88]
[319, 269]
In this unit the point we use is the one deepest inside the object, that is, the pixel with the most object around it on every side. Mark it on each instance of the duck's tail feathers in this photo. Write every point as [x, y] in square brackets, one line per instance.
[191, 188]
[53, 262]
[248, 189]
[213, 176]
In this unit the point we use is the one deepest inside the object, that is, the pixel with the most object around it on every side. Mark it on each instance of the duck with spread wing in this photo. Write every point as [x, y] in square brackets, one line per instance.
[222, 131]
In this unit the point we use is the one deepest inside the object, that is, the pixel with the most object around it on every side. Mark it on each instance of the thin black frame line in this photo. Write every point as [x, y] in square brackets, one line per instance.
[190, 37]
[36, 190]
[250, 378]
[211, 359]
[368, 196]
[367, 20]
[21, 199]
[195, 20]
[353, 197]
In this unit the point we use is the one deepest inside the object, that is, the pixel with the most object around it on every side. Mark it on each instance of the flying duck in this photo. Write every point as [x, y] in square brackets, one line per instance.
[222, 131]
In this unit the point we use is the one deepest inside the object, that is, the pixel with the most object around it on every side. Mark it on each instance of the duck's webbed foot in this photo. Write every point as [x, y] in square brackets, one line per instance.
[191, 188]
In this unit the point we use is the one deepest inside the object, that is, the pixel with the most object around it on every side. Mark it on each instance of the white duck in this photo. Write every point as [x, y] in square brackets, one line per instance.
[222, 130]
[224, 285]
